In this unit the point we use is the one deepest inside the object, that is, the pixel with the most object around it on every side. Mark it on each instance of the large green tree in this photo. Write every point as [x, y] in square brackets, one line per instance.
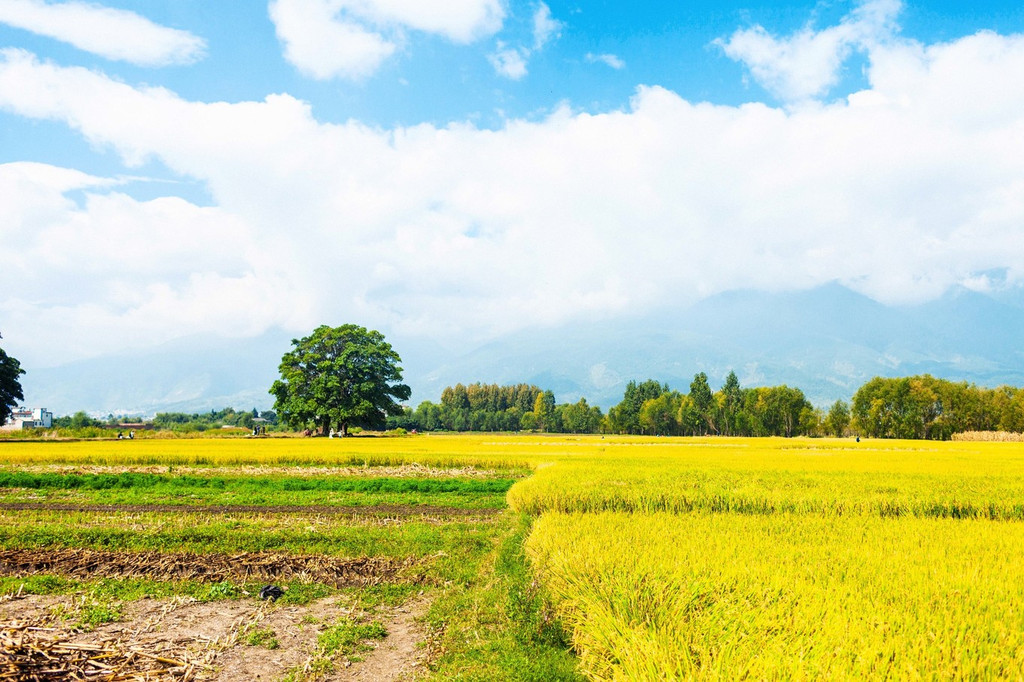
[838, 419]
[730, 405]
[339, 377]
[703, 400]
[10, 386]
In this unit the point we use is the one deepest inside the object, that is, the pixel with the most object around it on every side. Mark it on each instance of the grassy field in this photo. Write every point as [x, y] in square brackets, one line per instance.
[654, 558]
[368, 524]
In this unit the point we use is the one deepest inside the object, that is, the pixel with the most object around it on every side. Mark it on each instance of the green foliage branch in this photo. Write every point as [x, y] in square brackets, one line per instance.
[10, 386]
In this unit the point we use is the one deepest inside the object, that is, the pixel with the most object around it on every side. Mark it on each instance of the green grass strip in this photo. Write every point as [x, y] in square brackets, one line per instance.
[125, 480]
[403, 540]
[133, 589]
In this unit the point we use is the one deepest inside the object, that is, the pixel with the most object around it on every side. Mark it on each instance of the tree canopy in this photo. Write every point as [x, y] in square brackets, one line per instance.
[924, 406]
[339, 377]
[654, 409]
[10, 386]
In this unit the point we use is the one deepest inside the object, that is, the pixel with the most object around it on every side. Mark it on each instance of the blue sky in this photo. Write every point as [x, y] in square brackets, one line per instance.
[433, 79]
[461, 169]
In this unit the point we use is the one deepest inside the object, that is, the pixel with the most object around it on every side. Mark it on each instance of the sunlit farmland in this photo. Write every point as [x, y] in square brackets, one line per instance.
[806, 559]
[728, 596]
[661, 558]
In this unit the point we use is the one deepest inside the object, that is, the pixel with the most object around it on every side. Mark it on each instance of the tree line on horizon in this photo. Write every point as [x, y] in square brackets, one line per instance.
[349, 376]
[647, 407]
[917, 407]
[926, 407]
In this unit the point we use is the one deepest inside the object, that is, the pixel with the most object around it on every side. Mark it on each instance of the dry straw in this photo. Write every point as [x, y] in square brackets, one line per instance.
[244, 566]
[39, 654]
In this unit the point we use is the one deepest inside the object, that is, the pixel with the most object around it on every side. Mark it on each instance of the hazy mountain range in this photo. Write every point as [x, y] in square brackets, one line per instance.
[827, 341]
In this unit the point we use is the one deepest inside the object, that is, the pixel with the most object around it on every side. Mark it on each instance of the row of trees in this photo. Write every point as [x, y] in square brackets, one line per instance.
[926, 407]
[921, 407]
[349, 376]
[646, 408]
[489, 407]
[655, 409]
[214, 419]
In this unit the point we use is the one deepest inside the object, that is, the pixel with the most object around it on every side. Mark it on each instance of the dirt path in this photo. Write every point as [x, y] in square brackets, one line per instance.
[399, 656]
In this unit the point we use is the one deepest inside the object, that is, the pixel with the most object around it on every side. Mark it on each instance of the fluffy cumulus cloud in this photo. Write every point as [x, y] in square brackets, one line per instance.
[900, 191]
[105, 270]
[350, 38]
[110, 33]
[807, 63]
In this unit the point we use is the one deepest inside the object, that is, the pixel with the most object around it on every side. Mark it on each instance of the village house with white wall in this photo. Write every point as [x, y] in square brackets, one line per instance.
[29, 418]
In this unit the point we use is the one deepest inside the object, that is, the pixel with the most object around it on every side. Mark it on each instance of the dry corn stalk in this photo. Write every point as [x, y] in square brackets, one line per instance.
[29, 653]
[244, 566]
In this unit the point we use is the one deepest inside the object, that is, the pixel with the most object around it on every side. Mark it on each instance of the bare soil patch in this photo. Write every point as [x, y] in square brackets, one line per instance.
[212, 641]
[244, 566]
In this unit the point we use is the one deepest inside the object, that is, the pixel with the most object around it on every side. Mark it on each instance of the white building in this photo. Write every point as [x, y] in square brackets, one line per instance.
[25, 418]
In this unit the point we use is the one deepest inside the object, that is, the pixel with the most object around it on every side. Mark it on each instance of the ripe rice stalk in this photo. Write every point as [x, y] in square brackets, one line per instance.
[989, 437]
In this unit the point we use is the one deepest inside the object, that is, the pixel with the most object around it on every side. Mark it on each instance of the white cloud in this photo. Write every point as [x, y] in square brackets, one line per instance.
[462, 21]
[509, 62]
[110, 33]
[110, 271]
[322, 46]
[807, 63]
[545, 27]
[606, 59]
[351, 38]
[902, 191]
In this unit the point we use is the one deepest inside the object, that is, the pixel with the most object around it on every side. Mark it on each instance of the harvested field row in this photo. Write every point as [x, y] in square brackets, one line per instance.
[242, 567]
[28, 652]
[380, 510]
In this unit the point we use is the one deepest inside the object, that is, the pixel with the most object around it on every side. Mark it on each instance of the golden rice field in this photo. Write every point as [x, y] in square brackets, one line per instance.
[725, 596]
[724, 558]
